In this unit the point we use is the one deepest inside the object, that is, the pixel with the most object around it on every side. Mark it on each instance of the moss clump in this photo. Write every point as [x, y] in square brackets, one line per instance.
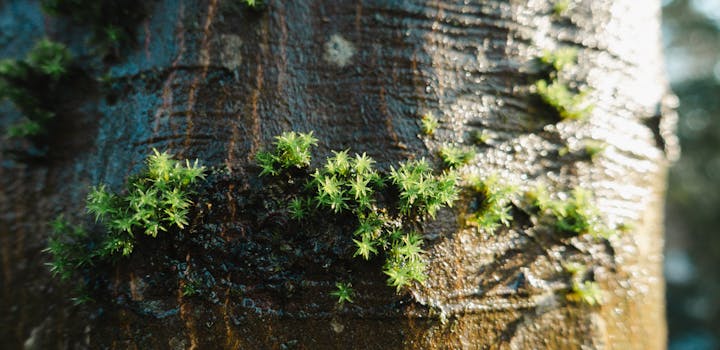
[560, 7]
[157, 199]
[154, 201]
[493, 203]
[68, 245]
[593, 148]
[253, 4]
[34, 86]
[582, 290]
[554, 92]
[112, 23]
[291, 150]
[189, 288]
[387, 207]
[575, 215]
[422, 192]
[429, 123]
[343, 292]
[455, 157]
[568, 104]
[559, 59]
[480, 137]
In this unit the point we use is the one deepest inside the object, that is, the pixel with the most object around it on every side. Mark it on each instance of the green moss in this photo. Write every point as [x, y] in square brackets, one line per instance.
[493, 203]
[189, 288]
[154, 201]
[588, 292]
[568, 105]
[405, 263]
[344, 292]
[422, 192]
[560, 7]
[292, 150]
[33, 85]
[157, 199]
[429, 123]
[387, 206]
[455, 157]
[582, 290]
[112, 23]
[554, 92]
[593, 148]
[575, 215]
[560, 58]
[539, 198]
[480, 137]
[254, 4]
[299, 208]
[67, 245]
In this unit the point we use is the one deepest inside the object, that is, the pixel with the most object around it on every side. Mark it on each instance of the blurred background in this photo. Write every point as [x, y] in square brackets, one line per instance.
[691, 30]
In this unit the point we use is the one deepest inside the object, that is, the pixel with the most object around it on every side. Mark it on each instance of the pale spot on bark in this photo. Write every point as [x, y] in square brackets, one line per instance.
[338, 50]
[230, 55]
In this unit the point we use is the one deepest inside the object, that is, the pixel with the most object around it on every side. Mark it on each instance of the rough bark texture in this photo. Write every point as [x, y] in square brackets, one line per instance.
[211, 81]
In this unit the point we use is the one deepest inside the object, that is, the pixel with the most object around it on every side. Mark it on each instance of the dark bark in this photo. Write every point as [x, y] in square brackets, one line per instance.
[214, 81]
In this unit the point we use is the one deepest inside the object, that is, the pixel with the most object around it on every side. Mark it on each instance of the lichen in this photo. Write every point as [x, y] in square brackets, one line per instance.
[338, 51]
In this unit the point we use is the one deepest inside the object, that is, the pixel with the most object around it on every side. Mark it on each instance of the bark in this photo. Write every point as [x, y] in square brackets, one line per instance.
[212, 81]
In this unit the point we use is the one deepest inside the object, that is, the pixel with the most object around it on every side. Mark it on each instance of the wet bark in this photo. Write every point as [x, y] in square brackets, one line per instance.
[214, 81]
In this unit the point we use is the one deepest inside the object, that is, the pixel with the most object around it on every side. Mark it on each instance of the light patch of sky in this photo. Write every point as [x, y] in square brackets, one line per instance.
[709, 8]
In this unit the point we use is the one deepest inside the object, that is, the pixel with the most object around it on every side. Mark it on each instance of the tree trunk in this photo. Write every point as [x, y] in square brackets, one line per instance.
[216, 81]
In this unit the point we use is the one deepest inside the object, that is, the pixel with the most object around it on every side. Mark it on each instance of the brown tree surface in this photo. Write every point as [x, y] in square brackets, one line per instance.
[213, 80]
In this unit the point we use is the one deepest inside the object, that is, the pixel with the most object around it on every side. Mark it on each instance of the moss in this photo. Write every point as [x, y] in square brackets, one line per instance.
[559, 59]
[582, 290]
[575, 215]
[253, 4]
[112, 23]
[560, 7]
[344, 292]
[567, 104]
[454, 156]
[429, 123]
[493, 203]
[291, 150]
[34, 85]
[155, 201]
[68, 246]
[553, 92]
[480, 137]
[189, 288]
[387, 205]
[593, 148]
